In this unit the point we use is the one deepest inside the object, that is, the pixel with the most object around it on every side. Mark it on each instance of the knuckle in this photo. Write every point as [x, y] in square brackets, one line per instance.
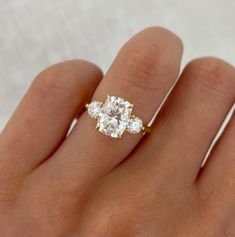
[144, 67]
[117, 218]
[52, 78]
[61, 77]
[214, 74]
[143, 62]
[59, 81]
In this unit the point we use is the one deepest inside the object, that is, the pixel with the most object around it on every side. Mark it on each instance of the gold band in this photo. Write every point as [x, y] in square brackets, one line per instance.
[146, 129]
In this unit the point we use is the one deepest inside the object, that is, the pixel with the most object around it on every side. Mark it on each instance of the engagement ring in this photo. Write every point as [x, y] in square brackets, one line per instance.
[114, 116]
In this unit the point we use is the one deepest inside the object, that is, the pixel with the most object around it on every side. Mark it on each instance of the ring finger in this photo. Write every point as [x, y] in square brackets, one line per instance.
[144, 71]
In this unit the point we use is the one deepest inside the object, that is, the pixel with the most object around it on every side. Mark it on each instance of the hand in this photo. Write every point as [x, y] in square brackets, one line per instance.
[88, 184]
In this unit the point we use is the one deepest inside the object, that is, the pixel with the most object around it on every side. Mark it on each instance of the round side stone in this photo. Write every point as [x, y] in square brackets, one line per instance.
[94, 109]
[135, 125]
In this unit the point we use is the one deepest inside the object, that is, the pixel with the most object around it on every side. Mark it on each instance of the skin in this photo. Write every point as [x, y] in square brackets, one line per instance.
[87, 184]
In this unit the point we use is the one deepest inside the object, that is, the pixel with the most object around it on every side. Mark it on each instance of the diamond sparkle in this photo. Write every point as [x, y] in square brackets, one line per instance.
[114, 117]
[94, 109]
[135, 125]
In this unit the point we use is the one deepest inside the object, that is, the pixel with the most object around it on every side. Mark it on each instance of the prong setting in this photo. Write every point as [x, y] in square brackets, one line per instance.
[114, 117]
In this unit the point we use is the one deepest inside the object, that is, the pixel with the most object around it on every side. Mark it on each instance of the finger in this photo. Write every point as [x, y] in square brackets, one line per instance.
[189, 121]
[43, 118]
[142, 73]
[218, 172]
[216, 182]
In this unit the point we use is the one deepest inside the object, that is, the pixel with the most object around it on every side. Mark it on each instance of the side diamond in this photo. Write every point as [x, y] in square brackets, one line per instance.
[135, 125]
[94, 109]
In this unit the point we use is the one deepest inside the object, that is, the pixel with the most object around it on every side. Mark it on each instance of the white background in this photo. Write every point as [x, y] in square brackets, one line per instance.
[37, 33]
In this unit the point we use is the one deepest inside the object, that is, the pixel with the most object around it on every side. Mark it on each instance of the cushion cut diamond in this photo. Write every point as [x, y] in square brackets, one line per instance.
[114, 117]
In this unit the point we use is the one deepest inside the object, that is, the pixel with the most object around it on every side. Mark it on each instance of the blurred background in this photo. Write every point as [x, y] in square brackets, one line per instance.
[37, 33]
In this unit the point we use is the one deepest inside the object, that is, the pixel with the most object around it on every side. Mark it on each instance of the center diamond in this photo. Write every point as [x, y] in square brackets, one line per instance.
[114, 117]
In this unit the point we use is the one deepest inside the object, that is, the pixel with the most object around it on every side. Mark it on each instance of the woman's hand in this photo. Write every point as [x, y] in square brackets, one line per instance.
[88, 184]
